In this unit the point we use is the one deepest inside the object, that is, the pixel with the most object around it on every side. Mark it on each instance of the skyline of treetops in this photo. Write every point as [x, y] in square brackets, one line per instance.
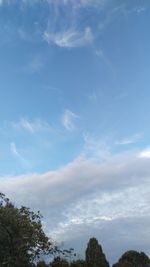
[23, 243]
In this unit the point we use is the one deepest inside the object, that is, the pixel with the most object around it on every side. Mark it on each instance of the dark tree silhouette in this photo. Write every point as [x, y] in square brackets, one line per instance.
[42, 264]
[59, 262]
[78, 263]
[22, 239]
[94, 255]
[133, 259]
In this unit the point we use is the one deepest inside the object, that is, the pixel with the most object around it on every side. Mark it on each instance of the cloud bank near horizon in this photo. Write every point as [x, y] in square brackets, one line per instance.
[86, 197]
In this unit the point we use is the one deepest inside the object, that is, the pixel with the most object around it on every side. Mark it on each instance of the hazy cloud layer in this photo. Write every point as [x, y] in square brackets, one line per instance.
[85, 198]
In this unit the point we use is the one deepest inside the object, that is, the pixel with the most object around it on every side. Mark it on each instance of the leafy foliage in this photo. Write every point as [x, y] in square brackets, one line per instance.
[41, 264]
[58, 262]
[21, 236]
[78, 263]
[23, 241]
[133, 259]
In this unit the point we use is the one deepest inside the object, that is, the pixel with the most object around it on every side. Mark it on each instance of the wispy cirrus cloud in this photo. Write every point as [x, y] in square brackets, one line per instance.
[17, 154]
[67, 23]
[68, 119]
[129, 140]
[70, 38]
[32, 126]
[68, 26]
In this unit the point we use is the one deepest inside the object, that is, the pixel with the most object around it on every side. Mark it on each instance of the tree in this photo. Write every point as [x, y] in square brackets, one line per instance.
[59, 262]
[94, 255]
[77, 263]
[133, 259]
[41, 264]
[69, 254]
[22, 239]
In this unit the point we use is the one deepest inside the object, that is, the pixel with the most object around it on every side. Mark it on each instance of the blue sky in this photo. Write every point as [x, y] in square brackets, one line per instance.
[74, 117]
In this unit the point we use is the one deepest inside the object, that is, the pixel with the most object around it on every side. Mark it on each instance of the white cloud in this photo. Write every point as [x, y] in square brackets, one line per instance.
[101, 208]
[70, 38]
[145, 154]
[66, 27]
[68, 119]
[129, 140]
[87, 198]
[15, 152]
[14, 149]
[33, 126]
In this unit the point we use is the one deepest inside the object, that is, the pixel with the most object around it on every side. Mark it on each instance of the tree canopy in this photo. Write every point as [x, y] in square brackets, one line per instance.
[94, 255]
[133, 258]
[23, 241]
[22, 238]
[78, 263]
[59, 262]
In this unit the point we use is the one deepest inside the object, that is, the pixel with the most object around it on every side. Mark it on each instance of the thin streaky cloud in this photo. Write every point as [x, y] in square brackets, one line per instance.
[33, 126]
[14, 149]
[129, 140]
[68, 120]
[15, 152]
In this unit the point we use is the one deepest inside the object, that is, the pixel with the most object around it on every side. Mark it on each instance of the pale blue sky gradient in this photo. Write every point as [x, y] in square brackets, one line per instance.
[74, 94]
